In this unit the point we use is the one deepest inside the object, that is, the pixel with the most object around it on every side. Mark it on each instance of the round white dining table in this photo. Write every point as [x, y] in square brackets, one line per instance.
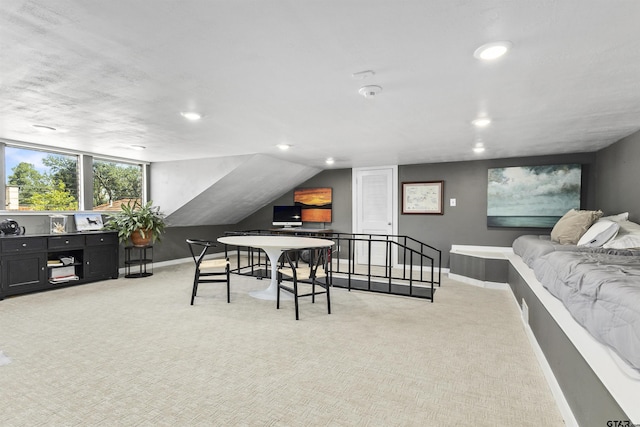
[273, 247]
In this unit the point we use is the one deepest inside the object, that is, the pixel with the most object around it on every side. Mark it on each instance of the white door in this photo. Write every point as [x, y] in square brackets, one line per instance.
[375, 210]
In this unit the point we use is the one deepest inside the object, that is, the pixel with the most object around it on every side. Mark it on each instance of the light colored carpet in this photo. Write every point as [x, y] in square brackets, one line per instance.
[134, 352]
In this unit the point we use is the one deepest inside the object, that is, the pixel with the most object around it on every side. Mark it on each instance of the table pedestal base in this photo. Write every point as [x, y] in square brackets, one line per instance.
[271, 293]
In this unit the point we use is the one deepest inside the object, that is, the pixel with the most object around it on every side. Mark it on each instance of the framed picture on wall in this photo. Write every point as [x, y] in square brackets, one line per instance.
[532, 196]
[422, 197]
[316, 203]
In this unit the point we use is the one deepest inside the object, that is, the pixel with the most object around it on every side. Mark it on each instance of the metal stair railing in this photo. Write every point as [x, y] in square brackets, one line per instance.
[410, 257]
[416, 273]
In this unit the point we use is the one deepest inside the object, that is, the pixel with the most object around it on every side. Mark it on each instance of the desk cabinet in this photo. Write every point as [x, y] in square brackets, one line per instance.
[32, 263]
[101, 257]
[22, 273]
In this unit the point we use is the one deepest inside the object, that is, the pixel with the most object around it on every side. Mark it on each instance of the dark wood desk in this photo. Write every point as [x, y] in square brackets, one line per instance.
[300, 231]
[31, 262]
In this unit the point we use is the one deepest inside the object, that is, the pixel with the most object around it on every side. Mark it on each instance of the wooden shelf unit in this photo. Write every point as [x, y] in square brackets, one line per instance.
[26, 262]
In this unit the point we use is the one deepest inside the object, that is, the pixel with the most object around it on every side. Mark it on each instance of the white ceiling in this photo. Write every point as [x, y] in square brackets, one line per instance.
[118, 73]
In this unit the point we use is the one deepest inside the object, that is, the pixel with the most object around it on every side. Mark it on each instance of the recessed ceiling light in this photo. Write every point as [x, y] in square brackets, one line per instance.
[491, 51]
[481, 122]
[478, 148]
[138, 147]
[45, 128]
[370, 91]
[283, 147]
[330, 161]
[190, 115]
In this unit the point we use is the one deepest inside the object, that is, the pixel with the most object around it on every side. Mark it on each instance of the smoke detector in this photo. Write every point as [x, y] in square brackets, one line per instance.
[370, 91]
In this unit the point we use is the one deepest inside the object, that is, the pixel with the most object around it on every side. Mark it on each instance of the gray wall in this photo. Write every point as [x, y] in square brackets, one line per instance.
[618, 177]
[173, 244]
[466, 223]
[339, 180]
[613, 189]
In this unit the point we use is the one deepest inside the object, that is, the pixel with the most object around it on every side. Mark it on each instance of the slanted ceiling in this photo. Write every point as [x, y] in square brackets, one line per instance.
[113, 74]
[222, 191]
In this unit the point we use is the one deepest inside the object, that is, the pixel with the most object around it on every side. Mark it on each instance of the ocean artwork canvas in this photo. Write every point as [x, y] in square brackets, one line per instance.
[532, 196]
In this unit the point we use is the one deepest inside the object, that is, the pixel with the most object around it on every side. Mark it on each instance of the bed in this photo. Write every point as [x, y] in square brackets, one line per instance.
[592, 293]
[599, 287]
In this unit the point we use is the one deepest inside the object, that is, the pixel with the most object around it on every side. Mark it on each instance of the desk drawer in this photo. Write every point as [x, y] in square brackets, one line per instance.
[23, 244]
[62, 242]
[102, 239]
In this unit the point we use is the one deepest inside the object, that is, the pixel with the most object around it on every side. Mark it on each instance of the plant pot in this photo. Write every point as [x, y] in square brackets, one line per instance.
[138, 240]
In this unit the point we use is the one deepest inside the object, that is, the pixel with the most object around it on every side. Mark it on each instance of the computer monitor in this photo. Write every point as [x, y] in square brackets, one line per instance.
[287, 216]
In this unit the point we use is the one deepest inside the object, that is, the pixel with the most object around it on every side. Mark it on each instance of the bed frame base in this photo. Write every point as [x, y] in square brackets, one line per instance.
[586, 400]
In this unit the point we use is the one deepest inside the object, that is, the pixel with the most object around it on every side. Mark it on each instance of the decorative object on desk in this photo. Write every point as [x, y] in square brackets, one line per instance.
[143, 224]
[10, 227]
[67, 260]
[422, 197]
[316, 203]
[62, 273]
[532, 196]
[58, 224]
[88, 221]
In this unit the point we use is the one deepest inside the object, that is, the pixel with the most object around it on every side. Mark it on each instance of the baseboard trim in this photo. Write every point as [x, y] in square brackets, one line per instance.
[479, 283]
[177, 261]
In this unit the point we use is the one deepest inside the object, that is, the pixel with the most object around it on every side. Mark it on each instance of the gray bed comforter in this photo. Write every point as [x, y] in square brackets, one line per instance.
[531, 247]
[601, 291]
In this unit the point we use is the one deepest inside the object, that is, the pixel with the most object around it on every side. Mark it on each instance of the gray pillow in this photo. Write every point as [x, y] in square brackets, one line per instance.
[573, 225]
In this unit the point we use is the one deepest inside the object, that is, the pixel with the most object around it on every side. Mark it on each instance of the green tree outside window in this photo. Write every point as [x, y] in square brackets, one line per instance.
[49, 181]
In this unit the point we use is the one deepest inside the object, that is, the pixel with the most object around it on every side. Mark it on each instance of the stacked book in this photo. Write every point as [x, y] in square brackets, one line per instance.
[60, 272]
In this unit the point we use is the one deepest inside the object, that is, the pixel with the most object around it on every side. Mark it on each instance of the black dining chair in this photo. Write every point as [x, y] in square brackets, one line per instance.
[304, 275]
[210, 270]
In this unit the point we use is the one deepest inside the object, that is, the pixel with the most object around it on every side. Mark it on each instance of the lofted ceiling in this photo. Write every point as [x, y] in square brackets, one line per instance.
[109, 75]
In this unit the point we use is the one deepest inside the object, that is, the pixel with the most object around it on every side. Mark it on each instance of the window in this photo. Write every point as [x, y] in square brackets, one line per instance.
[40, 180]
[115, 184]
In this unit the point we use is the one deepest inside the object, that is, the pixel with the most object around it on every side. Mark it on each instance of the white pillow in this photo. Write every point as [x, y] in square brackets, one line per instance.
[616, 218]
[599, 233]
[628, 236]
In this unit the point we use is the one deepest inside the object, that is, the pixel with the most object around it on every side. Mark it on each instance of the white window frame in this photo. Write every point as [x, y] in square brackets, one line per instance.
[82, 172]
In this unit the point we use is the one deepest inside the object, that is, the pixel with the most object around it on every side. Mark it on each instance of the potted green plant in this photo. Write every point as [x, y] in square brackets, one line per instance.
[140, 223]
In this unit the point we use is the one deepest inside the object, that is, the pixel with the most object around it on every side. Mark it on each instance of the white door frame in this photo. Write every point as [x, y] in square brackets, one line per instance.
[394, 201]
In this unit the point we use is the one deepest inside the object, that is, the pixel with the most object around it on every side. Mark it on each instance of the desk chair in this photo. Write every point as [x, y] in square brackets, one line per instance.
[306, 275]
[216, 270]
